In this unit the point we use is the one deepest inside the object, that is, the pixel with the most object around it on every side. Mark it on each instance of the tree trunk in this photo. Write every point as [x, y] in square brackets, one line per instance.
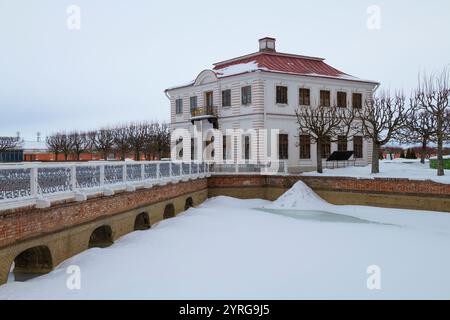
[424, 150]
[319, 157]
[375, 157]
[440, 158]
[56, 156]
[440, 142]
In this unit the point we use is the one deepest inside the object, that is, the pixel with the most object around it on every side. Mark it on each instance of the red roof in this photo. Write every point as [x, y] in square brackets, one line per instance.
[272, 61]
[288, 63]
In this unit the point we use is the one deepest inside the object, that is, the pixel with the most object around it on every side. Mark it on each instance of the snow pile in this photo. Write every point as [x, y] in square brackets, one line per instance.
[238, 69]
[300, 196]
[228, 202]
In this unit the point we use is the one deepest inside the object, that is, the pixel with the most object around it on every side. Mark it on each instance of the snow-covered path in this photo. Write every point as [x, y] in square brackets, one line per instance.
[224, 249]
[398, 168]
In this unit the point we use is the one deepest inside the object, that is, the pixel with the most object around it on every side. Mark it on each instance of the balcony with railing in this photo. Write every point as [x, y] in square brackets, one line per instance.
[208, 111]
[205, 113]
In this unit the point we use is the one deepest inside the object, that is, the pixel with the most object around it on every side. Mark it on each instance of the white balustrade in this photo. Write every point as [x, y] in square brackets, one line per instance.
[36, 183]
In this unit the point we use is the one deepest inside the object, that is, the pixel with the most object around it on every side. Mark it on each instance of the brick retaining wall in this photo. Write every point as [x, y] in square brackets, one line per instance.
[22, 223]
[383, 192]
[383, 185]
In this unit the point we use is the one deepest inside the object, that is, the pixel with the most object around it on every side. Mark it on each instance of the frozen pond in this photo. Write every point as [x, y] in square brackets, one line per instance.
[321, 216]
[298, 247]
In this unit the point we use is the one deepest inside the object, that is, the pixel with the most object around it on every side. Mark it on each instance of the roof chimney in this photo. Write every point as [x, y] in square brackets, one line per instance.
[267, 44]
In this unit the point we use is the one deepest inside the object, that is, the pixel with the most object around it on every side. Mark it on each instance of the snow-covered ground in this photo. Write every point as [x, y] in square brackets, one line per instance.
[398, 168]
[235, 249]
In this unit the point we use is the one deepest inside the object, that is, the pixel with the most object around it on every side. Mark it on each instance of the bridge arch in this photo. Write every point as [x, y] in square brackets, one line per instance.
[31, 263]
[189, 203]
[142, 221]
[169, 211]
[101, 237]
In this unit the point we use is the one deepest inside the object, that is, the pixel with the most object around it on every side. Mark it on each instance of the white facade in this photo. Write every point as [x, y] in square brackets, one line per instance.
[263, 112]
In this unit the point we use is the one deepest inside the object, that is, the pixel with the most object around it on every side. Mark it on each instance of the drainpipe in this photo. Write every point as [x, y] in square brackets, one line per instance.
[167, 94]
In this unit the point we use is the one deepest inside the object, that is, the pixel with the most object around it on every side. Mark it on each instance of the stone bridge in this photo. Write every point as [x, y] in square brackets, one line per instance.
[49, 213]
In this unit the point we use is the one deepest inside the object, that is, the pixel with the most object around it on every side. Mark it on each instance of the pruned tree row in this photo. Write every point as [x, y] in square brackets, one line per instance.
[8, 143]
[139, 140]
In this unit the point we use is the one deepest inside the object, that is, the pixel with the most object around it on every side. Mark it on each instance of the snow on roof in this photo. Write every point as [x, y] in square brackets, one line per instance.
[238, 69]
[187, 84]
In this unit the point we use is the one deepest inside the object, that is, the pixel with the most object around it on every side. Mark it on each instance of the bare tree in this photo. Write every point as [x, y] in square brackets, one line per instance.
[8, 143]
[54, 144]
[420, 128]
[162, 143]
[80, 143]
[381, 117]
[136, 137]
[66, 145]
[104, 142]
[325, 125]
[150, 143]
[432, 96]
[121, 141]
[91, 137]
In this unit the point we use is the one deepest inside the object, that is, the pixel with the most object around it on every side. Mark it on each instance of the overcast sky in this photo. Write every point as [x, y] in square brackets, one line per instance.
[116, 67]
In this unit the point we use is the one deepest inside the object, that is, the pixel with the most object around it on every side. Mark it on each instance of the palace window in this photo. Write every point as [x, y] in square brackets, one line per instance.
[246, 95]
[226, 98]
[282, 95]
[305, 147]
[326, 148]
[209, 99]
[224, 147]
[325, 98]
[358, 147]
[342, 99]
[179, 106]
[357, 100]
[193, 102]
[304, 97]
[342, 143]
[283, 147]
[247, 147]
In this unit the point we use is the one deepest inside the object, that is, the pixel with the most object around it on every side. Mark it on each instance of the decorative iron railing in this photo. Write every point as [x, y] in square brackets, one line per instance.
[25, 184]
[271, 167]
[204, 111]
[29, 183]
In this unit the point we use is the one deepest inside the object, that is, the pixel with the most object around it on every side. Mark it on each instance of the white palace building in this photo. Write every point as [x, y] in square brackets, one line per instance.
[261, 91]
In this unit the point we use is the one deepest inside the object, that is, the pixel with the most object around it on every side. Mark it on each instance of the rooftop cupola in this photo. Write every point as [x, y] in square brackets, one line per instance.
[267, 44]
